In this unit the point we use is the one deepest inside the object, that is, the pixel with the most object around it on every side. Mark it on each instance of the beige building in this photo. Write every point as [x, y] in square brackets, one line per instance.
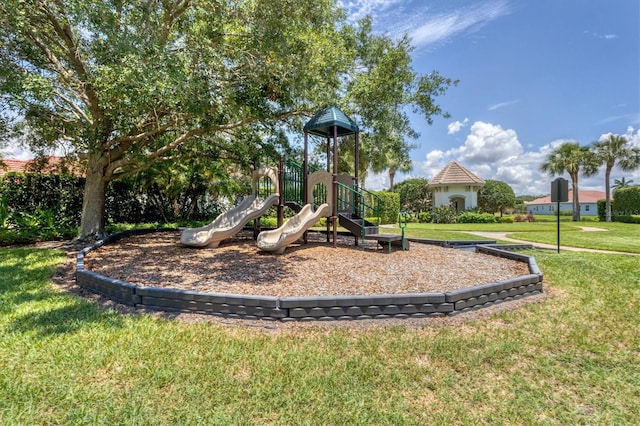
[455, 186]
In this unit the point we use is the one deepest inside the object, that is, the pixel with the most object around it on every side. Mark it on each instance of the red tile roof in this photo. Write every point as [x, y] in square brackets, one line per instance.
[587, 196]
[50, 164]
[454, 173]
[8, 165]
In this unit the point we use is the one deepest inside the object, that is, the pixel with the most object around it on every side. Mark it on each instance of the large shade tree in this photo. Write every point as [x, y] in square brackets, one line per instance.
[613, 150]
[127, 83]
[573, 159]
[496, 196]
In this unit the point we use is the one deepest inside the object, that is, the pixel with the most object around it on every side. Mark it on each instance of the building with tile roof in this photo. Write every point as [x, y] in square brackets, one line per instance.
[49, 164]
[455, 186]
[588, 203]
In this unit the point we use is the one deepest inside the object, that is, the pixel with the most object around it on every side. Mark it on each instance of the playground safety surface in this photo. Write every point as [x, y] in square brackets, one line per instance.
[312, 269]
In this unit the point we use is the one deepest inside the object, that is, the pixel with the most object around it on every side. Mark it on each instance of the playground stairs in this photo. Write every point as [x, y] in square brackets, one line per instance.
[355, 224]
[360, 227]
[294, 205]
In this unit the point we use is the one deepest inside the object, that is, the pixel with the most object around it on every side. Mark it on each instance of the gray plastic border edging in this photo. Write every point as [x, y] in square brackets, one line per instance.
[314, 308]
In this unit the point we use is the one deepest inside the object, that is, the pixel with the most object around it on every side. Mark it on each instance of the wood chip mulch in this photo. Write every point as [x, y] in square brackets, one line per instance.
[316, 268]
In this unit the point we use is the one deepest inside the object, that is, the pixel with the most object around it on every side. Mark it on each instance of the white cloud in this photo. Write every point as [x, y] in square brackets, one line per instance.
[422, 22]
[603, 36]
[441, 27]
[492, 152]
[503, 104]
[456, 126]
[486, 143]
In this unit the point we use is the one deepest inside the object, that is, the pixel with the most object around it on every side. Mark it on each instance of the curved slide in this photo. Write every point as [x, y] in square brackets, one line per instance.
[279, 239]
[229, 223]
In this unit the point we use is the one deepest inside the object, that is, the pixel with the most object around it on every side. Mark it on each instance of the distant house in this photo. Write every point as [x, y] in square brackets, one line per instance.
[588, 204]
[455, 186]
[45, 165]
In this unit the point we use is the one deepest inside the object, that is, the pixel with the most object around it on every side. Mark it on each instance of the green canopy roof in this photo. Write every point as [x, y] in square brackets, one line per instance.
[323, 122]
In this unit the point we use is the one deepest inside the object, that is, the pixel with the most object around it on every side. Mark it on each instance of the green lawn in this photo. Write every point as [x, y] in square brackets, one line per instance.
[617, 237]
[571, 359]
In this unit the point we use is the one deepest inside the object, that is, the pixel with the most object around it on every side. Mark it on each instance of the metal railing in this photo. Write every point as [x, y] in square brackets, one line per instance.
[364, 203]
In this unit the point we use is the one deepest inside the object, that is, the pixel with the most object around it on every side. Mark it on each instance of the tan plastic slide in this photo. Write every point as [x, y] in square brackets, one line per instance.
[228, 223]
[232, 221]
[278, 240]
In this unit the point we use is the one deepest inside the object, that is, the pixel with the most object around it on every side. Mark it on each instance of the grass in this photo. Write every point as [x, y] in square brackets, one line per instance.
[616, 237]
[570, 359]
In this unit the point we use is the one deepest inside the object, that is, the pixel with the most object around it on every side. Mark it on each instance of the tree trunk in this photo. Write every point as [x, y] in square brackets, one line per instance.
[607, 190]
[576, 200]
[392, 176]
[93, 201]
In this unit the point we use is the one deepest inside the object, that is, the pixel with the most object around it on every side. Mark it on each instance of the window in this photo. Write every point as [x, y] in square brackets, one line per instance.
[586, 207]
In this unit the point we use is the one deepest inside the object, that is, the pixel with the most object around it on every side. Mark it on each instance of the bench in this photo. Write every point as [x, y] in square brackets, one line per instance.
[389, 239]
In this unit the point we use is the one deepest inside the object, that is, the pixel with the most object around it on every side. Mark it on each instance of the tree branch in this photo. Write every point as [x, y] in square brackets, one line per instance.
[63, 31]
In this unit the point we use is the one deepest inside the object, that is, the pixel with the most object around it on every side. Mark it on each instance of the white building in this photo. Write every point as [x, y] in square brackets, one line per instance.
[588, 203]
[455, 186]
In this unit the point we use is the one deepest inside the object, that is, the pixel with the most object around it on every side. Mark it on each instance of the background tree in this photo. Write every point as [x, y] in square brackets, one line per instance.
[612, 150]
[496, 196]
[571, 158]
[414, 196]
[127, 83]
[621, 183]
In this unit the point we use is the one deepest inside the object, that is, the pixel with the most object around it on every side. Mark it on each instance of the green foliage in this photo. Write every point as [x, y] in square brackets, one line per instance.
[47, 207]
[631, 218]
[573, 159]
[444, 214]
[506, 219]
[414, 196]
[389, 206]
[602, 210]
[496, 196]
[626, 201]
[473, 217]
[425, 217]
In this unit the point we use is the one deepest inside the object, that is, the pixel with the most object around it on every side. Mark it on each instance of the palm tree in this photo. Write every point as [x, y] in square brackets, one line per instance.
[402, 164]
[572, 158]
[615, 149]
[621, 183]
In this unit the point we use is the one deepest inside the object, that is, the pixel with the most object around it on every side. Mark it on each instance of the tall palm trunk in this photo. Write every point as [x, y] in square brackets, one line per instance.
[576, 198]
[607, 190]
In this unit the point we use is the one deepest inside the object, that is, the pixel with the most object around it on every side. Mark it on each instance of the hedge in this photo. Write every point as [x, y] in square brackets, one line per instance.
[626, 201]
[389, 206]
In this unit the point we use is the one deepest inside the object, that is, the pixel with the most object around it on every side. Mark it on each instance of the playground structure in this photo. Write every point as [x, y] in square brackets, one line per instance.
[293, 229]
[231, 222]
[312, 194]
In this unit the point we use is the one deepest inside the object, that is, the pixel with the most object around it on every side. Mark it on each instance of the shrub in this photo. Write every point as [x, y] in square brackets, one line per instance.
[506, 219]
[631, 218]
[472, 217]
[444, 214]
[389, 206]
[626, 201]
[520, 218]
[602, 210]
[425, 217]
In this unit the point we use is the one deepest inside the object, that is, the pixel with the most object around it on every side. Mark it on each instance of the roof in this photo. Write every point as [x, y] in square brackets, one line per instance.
[323, 122]
[588, 196]
[8, 165]
[48, 164]
[454, 173]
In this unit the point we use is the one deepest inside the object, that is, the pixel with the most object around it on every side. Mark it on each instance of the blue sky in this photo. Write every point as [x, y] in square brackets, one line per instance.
[533, 74]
